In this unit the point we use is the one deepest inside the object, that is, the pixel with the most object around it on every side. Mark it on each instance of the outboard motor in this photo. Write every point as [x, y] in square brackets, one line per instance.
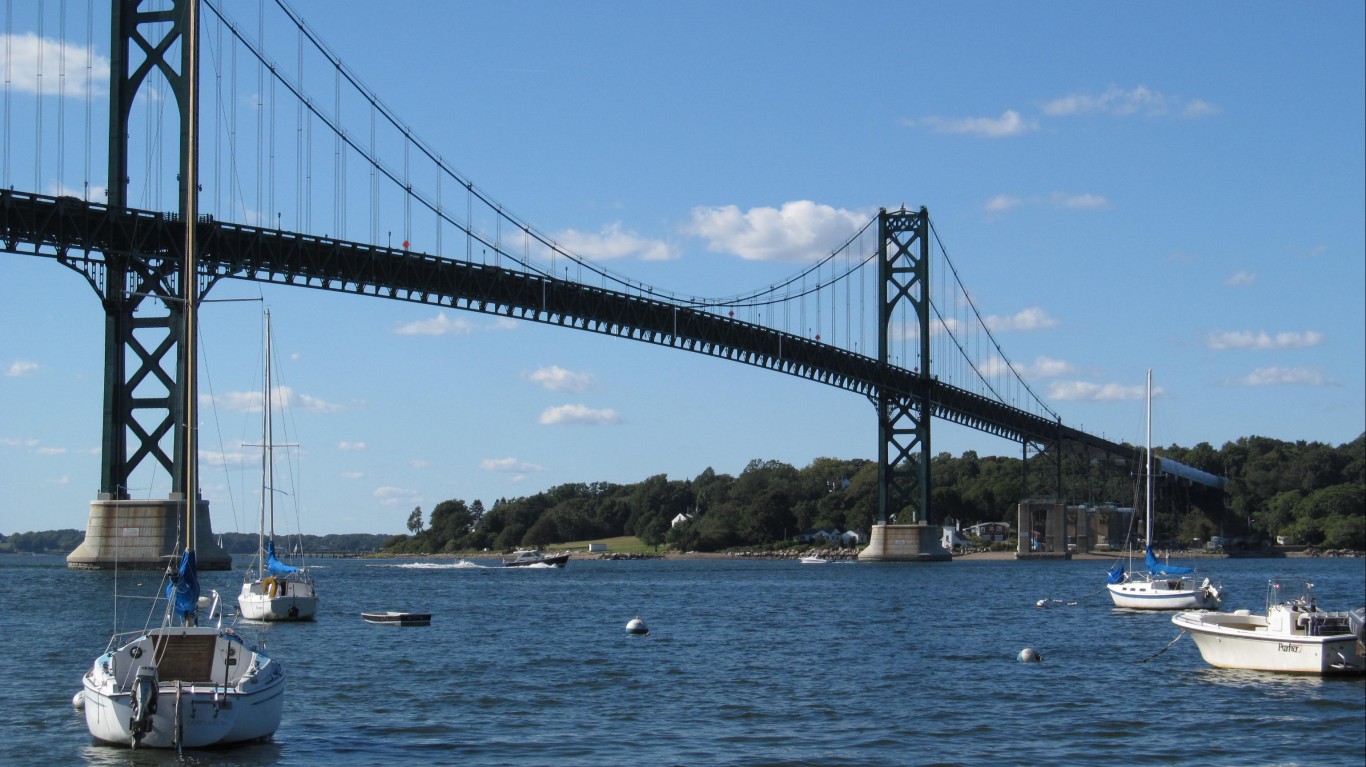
[144, 702]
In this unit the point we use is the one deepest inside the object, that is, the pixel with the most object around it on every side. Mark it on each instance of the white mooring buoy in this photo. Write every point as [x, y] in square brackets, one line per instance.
[637, 626]
[1029, 655]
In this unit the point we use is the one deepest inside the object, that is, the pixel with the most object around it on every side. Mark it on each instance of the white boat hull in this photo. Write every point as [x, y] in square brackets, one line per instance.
[1164, 594]
[1243, 641]
[288, 600]
[211, 689]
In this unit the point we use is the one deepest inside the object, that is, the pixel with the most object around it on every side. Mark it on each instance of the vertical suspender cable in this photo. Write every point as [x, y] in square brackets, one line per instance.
[261, 210]
[9, 65]
[299, 174]
[61, 97]
[38, 113]
[89, 84]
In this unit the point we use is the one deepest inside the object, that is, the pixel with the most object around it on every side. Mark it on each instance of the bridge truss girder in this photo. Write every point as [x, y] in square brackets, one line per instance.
[141, 251]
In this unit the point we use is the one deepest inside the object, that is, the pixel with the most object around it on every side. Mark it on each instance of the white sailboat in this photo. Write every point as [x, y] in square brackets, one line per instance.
[278, 592]
[1160, 586]
[182, 684]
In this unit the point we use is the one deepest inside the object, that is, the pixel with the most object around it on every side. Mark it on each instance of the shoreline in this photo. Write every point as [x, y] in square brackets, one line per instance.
[852, 555]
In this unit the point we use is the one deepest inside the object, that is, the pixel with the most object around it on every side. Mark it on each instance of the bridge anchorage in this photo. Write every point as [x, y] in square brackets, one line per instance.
[133, 260]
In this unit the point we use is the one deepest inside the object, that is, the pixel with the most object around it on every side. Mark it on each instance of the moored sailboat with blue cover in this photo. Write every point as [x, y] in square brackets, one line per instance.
[1159, 586]
[279, 592]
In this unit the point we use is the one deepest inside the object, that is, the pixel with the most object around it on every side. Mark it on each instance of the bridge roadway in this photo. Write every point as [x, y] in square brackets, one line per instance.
[84, 236]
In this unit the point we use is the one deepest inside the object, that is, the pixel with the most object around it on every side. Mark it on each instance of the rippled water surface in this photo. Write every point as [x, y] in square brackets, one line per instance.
[747, 663]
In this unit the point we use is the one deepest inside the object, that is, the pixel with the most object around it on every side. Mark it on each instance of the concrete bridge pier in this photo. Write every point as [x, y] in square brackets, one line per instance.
[143, 535]
[906, 543]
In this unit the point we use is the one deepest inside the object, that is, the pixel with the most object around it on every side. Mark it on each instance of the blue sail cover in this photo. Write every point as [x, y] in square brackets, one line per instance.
[1157, 568]
[183, 589]
[1115, 574]
[275, 566]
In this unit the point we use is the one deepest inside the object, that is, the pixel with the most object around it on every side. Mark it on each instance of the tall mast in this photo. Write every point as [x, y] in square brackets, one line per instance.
[190, 273]
[270, 433]
[266, 458]
[1148, 438]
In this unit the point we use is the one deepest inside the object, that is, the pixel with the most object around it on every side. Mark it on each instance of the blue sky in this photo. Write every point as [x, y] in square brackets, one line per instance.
[1171, 186]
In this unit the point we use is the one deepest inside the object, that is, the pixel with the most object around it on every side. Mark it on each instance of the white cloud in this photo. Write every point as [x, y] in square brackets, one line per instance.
[799, 231]
[556, 378]
[25, 52]
[613, 242]
[16, 442]
[394, 496]
[1010, 123]
[1002, 202]
[1277, 376]
[283, 396]
[1042, 367]
[1032, 318]
[439, 325]
[1240, 278]
[1092, 392]
[511, 465]
[351, 474]
[1139, 100]
[579, 414]
[1058, 200]
[351, 446]
[51, 451]
[20, 368]
[1246, 339]
[1078, 201]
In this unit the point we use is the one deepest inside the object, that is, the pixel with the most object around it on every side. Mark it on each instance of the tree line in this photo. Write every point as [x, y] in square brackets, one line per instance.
[1307, 492]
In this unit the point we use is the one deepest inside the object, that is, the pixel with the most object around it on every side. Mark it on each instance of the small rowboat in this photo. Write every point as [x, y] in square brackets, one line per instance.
[392, 618]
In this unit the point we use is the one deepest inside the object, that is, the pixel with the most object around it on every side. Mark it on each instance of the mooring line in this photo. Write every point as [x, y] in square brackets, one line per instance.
[1164, 649]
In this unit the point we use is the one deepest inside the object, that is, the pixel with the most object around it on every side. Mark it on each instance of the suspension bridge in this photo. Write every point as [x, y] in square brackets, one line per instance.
[882, 314]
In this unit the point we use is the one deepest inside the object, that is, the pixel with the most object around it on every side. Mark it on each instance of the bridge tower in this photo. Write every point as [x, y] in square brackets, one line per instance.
[144, 294]
[904, 416]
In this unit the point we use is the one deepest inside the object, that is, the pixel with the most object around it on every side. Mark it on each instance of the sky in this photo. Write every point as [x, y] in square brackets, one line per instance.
[1163, 186]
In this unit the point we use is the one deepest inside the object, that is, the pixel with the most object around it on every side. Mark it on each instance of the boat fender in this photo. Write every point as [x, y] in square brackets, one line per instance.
[293, 611]
[79, 701]
[1029, 655]
[637, 627]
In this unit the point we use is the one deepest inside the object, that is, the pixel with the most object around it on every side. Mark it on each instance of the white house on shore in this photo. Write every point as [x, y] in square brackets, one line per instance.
[678, 520]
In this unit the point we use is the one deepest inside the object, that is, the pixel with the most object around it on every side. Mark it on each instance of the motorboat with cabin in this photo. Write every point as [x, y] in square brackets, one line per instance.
[533, 557]
[1294, 635]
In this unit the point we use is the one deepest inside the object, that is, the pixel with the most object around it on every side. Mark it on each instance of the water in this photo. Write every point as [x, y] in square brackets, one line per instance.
[747, 663]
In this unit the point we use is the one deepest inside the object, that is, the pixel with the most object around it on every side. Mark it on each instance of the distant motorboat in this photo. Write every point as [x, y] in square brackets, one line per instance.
[1294, 635]
[814, 561]
[393, 618]
[530, 557]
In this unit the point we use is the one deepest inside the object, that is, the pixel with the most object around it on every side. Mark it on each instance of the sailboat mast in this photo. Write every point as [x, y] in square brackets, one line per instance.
[1148, 439]
[270, 433]
[190, 274]
[265, 456]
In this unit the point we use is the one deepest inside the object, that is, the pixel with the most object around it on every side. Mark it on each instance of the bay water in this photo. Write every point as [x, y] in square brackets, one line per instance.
[748, 662]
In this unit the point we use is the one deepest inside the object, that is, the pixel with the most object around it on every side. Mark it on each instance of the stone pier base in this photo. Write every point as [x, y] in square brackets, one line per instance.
[142, 535]
[905, 543]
